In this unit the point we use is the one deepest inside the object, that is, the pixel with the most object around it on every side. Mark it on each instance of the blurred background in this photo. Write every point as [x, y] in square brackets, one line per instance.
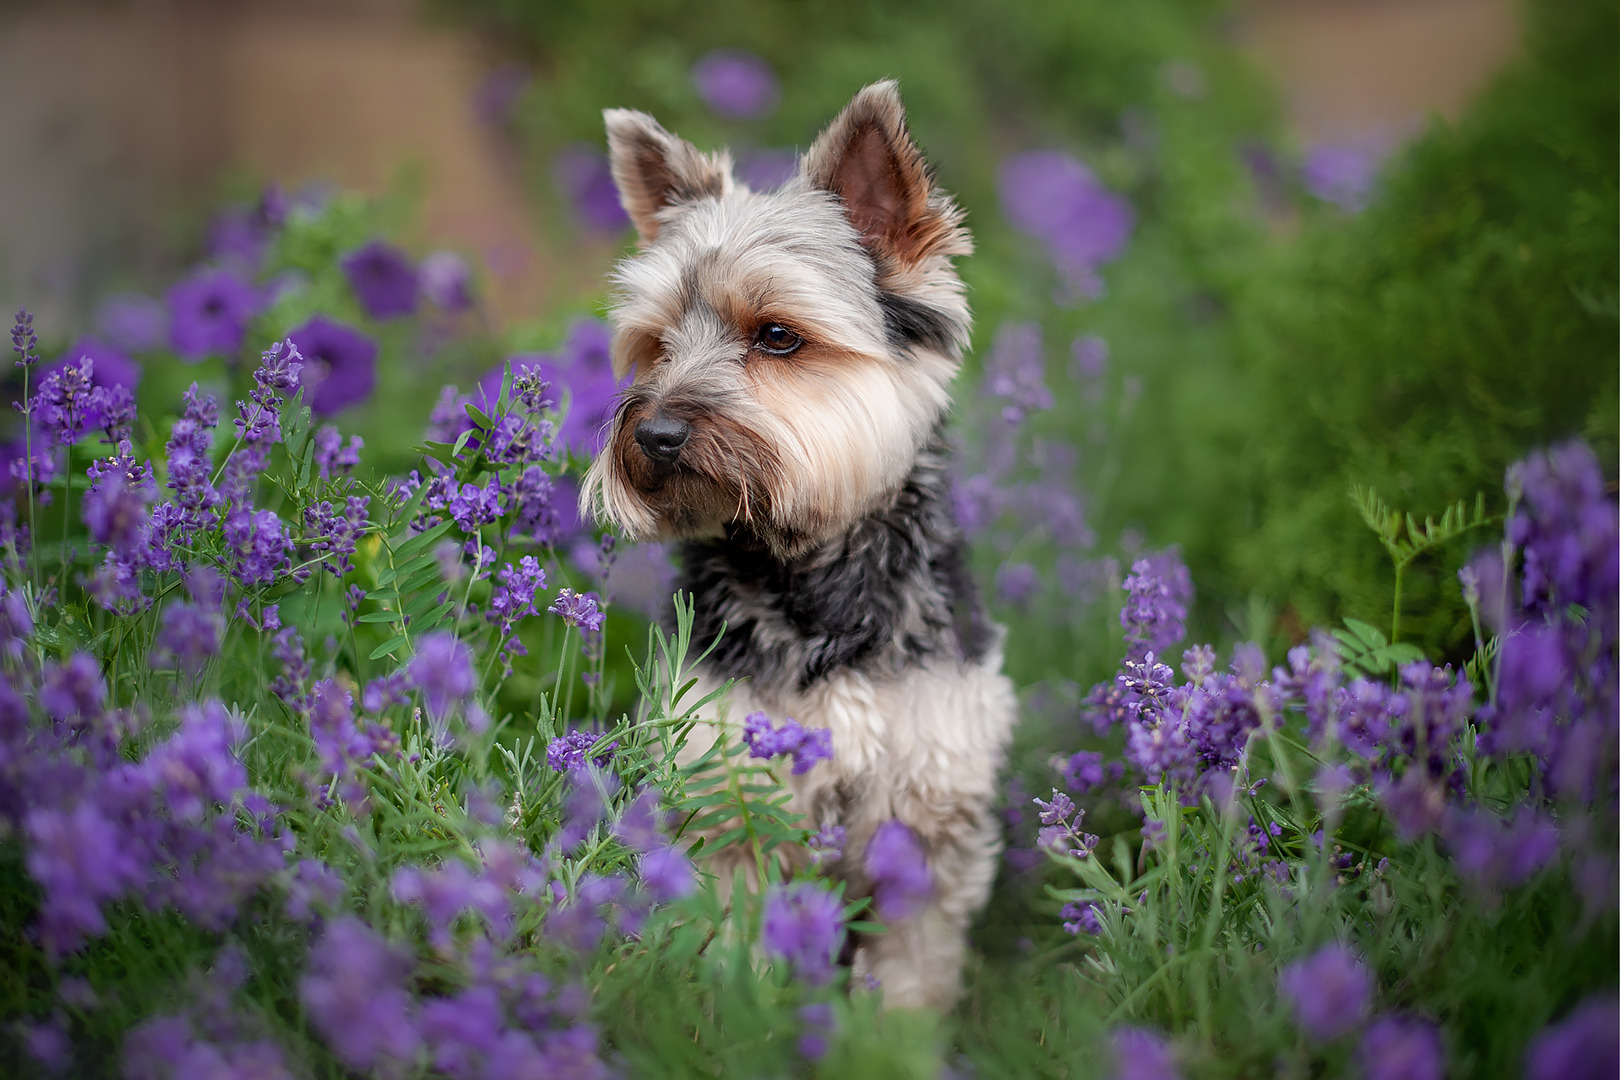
[1233, 257]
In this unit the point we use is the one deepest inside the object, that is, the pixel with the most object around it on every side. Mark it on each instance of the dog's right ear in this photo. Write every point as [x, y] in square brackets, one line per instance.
[655, 170]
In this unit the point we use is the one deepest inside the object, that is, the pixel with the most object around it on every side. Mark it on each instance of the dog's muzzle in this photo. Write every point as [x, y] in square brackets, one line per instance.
[662, 438]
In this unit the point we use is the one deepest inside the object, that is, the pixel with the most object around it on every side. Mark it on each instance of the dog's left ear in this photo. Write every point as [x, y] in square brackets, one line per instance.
[868, 158]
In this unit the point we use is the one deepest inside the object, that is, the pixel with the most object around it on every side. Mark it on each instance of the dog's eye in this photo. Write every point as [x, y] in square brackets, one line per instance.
[777, 339]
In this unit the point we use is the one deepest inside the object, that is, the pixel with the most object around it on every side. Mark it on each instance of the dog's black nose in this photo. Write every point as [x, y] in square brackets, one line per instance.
[661, 438]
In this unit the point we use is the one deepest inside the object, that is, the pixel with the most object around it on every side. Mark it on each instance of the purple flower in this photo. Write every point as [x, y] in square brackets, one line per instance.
[736, 84]
[331, 455]
[443, 670]
[132, 321]
[1140, 1054]
[24, 342]
[1090, 358]
[189, 636]
[1017, 583]
[578, 610]
[1052, 197]
[583, 371]
[473, 506]
[208, 315]
[804, 925]
[1081, 915]
[1082, 771]
[1158, 592]
[766, 170]
[80, 858]
[1493, 852]
[446, 280]
[808, 746]
[1329, 991]
[1569, 532]
[340, 364]
[1343, 173]
[383, 280]
[333, 533]
[895, 862]
[262, 548]
[354, 995]
[582, 174]
[1585, 1045]
[1015, 371]
[827, 845]
[516, 590]
[667, 874]
[568, 752]
[1395, 1048]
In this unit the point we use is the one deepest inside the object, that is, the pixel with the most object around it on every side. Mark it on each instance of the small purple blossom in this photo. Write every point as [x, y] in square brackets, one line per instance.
[446, 280]
[1158, 593]
[735, 83]
[898, 867]
[1396, 1048]
[132, 321]
[578, 610]
[354, 995]
[582, 174]
[340, 364]
[1140, 1054]
[1051, 196]
[807, 746]
[1330, 991]
[804, 925]
[332, 455]
[1585, 1045]
[568, 752]
[209, 314]
[383, 280]
[443, 670]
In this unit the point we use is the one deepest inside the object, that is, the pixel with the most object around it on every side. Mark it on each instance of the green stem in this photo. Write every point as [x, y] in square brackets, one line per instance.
[1395, 621]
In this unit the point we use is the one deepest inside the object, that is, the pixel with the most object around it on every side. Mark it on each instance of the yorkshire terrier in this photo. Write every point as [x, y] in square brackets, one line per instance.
[792, 353]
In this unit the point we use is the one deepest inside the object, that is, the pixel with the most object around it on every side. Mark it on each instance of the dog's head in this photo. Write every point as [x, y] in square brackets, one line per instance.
[792, 349]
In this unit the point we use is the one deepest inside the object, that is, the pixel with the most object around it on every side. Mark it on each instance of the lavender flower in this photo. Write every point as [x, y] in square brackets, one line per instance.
[827, 845]
[354, 995]
[331, 455]
[804, 925]
[667, 875]
[1082, 771]
[895, 862]
[1081, 916]
[63, 402]
[1140, 1054]
[516, 591]
[1015, 371]
[583, 369]
[1585, 1045]
[443, 670]
[568, 752]
[334, 533]
[1329, 991]
[261, 547]
[340, 365]
[208, 315]
[383, 280]
[578, 610]
[1158, 592]
[24, 342]
[1395, 1048]
[1052, 197]
[807, 746]
[736, 84]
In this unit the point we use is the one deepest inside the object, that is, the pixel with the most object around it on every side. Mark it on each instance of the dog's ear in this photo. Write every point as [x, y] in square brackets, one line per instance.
[868, 159]
[654, 169]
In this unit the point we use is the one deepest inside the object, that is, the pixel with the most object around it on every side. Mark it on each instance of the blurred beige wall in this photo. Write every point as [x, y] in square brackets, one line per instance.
[117, 118]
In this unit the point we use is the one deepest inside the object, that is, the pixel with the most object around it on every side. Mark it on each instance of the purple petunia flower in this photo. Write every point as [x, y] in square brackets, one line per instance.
[340, 365]
[383, 280]
[735, 83]
[209, 314]
[1329, 991]
[1140, 1054]
[582, 174]
[1395, 1048]
[804, 925]
[1585, 1045]
[899, 871]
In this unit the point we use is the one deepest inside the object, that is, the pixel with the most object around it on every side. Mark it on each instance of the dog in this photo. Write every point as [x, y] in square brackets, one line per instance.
[792, 354]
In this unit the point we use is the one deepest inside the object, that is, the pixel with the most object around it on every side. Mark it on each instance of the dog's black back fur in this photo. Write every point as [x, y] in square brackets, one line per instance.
[893, 591]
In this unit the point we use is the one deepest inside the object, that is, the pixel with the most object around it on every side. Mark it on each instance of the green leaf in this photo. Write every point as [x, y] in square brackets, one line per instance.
[387, 647]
